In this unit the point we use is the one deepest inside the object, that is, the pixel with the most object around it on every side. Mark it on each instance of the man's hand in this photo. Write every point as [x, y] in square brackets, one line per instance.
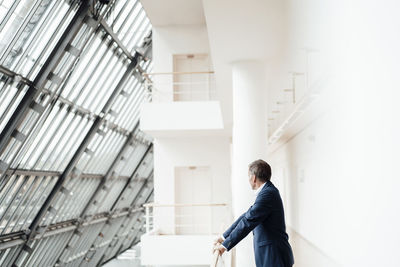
[220, 248]
[218, 240]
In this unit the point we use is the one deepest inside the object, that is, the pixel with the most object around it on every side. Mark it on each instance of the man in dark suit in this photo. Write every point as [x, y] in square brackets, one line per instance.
[265, 218]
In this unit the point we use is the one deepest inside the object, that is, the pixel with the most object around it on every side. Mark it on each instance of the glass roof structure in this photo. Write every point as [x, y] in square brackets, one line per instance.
[74, 167]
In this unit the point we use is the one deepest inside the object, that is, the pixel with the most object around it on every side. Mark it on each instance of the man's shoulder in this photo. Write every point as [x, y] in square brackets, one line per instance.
[269, 187]
[268, 191]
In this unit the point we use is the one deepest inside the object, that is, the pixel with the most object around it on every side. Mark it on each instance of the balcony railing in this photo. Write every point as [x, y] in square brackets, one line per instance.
[181, 86]
[186, 219]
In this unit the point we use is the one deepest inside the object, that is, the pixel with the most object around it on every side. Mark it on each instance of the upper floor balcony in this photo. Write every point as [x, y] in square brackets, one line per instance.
[181, 103]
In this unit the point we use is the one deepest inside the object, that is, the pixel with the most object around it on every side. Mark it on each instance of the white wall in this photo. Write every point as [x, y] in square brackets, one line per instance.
[338, 175]
[191, 151]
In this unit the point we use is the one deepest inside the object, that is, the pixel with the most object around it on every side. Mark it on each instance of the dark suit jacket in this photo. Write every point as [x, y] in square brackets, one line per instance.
[266, 218]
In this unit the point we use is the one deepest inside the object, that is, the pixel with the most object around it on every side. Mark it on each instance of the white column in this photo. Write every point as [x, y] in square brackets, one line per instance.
[249, 141]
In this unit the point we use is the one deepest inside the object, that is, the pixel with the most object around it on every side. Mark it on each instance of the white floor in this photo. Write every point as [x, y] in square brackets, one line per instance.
[306, 255]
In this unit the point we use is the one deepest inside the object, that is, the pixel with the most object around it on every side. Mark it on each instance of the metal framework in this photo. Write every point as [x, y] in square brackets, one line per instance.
[75, 169]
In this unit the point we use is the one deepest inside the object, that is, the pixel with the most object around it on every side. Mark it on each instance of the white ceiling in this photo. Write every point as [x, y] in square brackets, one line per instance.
[174, 12]
[241, 30]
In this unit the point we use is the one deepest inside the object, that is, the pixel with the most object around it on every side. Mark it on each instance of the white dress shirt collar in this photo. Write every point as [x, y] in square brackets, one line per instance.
[256, 192]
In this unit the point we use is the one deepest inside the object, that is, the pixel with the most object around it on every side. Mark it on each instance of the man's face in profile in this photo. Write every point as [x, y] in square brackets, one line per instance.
[252, 180]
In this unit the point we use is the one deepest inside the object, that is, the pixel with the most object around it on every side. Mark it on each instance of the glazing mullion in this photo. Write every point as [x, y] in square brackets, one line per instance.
[27, 194]
[36, 36]
[49, 140]
[94, 159]
[37, 246]
[97, 139]
[109, 69]
[84, 35]
[112, 140]
[136, 34]
[136, 25]
[52, 131]
[39, 250]
[9, 150]
[112, 78]
[19, 32]
[63, 213]
[131, 111]
[78, 134]
[67, 93]
[57, 242]
[60, 69]
[28, 122]
[27, 153]
[118, 141]
[127, 84]
[35, 44]
[19, 183]
[129, 108]
[5, 191]
[133, 158]
[45, 49]
[29, 203]
[58, 202]
[131, 83]
[6, 187]
[10, 103]
[90, 38]
[93, 57]
[134, 42]
[65, 136]
[77, 122]
[86, 193]
[120, 12]
[79, 190]
[59, 248]
[63, 209]
[9, 13]
[118, 23]
[35, 208]
[129, 15]
[16, 206]
[100, 68]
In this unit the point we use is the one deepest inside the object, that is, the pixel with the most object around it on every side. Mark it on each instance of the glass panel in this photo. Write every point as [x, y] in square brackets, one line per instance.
[90, 77]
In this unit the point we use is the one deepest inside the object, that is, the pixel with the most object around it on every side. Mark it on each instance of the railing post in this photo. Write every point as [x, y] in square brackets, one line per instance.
[208, 87]
[147, 217]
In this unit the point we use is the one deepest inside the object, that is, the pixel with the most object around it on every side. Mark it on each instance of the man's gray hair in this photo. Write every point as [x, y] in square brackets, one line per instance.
[261, 170]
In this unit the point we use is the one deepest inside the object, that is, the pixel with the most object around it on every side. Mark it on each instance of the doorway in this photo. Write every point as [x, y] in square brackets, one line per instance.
[193, 186]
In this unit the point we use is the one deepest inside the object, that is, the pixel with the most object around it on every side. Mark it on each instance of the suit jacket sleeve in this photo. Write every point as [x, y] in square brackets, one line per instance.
[256, 214]
[232, 227]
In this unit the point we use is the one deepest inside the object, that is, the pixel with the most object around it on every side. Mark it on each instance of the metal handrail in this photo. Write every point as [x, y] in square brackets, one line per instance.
[198, 88]
[183, 205]
[149, 217]
[178, 73]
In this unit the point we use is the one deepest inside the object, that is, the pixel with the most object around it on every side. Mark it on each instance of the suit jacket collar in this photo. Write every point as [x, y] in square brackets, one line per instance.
[264, 185]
